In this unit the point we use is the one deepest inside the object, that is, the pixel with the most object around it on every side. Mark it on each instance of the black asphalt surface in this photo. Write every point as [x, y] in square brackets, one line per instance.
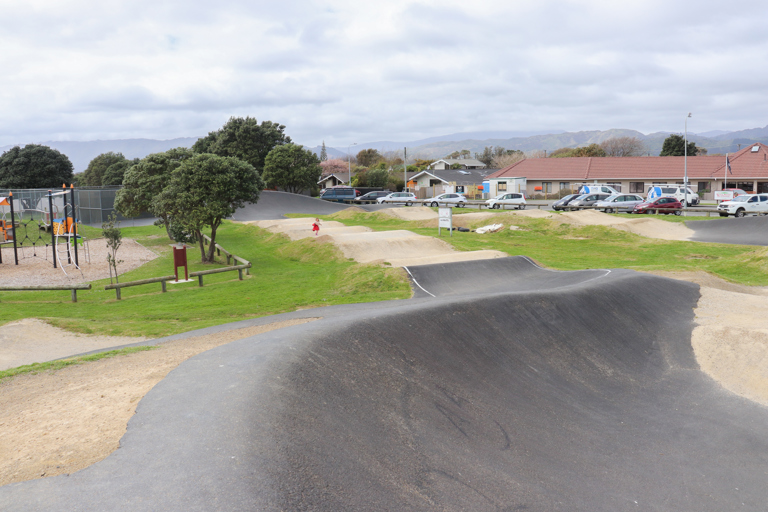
[745, 231]
[580, 392]
[274, 205]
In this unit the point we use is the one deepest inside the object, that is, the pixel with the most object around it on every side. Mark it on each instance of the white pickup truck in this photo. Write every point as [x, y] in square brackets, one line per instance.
[743, 205]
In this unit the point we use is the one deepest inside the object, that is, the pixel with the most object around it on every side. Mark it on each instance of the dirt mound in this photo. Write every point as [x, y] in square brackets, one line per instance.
[411, 213]
[296, 229]
[644, 226]
[348, 213]
[401, 248]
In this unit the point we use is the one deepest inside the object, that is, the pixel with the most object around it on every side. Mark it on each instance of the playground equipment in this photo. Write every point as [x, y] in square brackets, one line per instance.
[22, 222]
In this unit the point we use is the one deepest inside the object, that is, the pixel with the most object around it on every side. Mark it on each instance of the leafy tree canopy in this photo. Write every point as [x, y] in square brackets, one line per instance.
[378, 177]
[34, 166]
[291, 168]
[335, 166]
[206, 189]
[674, 145]
[593, 150]
[115, 173]
[94, 173]
[368, 157]
[623, 146]
[244, 138]
[144, 181]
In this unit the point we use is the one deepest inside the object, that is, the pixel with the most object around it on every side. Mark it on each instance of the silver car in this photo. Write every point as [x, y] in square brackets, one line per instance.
[619, 203]
[586, 200]
[446, 199]
[406, 198]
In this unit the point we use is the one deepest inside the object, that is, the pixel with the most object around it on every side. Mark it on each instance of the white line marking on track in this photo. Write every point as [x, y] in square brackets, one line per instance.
[415, 281]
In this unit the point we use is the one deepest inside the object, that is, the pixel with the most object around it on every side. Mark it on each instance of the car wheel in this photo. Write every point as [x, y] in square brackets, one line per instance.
[651, 211]
[609, 210]
[678, 212]
[495, 206]
[521, 207]
[409, 203]
[740, 212]
[461, 205]
[434, 203]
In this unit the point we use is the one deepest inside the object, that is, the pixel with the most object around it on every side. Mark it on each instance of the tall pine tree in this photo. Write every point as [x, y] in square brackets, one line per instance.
[323, 153]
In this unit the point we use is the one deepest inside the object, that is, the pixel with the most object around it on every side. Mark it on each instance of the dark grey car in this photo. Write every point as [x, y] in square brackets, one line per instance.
[586, 200]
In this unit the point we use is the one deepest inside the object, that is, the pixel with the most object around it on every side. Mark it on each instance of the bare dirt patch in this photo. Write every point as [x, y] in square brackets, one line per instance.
[410, 213]
[38, 271]
[730, 340]
[643, 226]
[60, 422]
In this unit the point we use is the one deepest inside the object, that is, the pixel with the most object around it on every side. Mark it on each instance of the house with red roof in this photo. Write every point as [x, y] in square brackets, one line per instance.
[748, 171]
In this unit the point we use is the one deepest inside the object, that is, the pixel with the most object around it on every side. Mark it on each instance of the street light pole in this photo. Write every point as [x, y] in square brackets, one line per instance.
[349, 162]
[685, 161]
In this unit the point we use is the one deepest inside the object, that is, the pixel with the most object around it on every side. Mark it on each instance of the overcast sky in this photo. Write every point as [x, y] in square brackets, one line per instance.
[351, 71]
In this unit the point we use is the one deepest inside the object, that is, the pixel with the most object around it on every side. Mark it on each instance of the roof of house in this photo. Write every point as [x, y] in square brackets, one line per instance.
[744, 164]
[329, 176]
[463, 161]
[459, 176]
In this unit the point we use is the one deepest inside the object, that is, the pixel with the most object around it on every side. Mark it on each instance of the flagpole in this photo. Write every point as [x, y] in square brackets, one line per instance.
[725, 178]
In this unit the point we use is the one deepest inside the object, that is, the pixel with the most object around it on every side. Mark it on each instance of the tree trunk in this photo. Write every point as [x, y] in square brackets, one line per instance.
[201, 242]
[212, 247]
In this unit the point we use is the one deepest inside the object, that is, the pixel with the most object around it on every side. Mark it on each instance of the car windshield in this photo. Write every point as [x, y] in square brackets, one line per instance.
[741, 199]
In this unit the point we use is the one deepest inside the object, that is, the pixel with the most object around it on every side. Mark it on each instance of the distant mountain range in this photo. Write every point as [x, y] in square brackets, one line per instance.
[717, 141]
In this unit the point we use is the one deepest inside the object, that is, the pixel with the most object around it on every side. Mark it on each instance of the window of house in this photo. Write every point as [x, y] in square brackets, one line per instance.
[636, 187]
[546, 187]
[564, 185]
[502, 186]
[703, 185]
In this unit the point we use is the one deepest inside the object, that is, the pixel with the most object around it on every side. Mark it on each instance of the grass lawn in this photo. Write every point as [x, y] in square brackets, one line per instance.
[285, 276]
[568, 247]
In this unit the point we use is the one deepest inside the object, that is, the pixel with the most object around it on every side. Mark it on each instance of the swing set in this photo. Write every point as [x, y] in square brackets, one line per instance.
[58, 216]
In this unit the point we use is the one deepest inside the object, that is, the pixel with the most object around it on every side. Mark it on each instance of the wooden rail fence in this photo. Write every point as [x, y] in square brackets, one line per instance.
[72, 287]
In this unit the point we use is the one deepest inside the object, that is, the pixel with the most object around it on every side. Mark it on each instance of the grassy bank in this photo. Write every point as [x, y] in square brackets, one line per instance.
[285, 276]
[571, 247]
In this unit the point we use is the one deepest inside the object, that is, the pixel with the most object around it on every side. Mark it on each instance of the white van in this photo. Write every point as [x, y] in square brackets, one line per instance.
[598, 189]
[676, 191]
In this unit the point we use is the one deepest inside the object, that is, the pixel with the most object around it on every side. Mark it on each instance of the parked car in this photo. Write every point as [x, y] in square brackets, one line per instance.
[373, 196]
[446, 199]
[743, 205]
[587, 200]
[560, 203]
[339, 194]
[510, 199]
[619, 202]
[663, 205]
[676, 191]
[406, 198]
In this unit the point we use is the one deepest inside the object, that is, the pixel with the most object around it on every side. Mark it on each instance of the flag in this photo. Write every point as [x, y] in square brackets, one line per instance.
[728, 164]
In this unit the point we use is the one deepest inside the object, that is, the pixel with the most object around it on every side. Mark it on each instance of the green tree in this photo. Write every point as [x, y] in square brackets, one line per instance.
[206, 189]
[94, 173]
[245, 139]
[292, 168]
[486, 156]
[34, 166]
[368, 157]
[378, 177]
[323, 153]
[593, 150]
[144, 181]
[114, 237]
[115, 173]
[674, 145]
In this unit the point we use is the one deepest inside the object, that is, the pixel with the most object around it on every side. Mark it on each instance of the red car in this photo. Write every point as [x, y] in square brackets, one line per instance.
[663, 205]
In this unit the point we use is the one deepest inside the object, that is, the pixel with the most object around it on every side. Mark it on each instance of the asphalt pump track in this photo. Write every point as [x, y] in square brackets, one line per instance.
[499, 386]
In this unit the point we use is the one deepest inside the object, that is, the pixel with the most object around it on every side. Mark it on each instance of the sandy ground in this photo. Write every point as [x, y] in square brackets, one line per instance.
[34, 341]
[731, 337]
[59, 422]
[643, 225]
[38, 270]
[411, 213]
[397, 248]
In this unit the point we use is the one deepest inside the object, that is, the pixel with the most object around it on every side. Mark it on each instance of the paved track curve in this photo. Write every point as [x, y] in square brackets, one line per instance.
[274, 205]
[489, 394]
[744, 231]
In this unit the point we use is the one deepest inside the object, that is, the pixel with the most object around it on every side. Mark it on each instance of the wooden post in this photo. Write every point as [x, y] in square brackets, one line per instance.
[200, 280]
[162, 283]
[117, 291]
[240, 273]
[74, 295]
